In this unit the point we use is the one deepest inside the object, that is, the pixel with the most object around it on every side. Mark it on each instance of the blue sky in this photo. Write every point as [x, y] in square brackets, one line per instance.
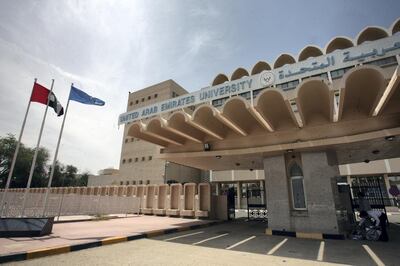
[108, 48]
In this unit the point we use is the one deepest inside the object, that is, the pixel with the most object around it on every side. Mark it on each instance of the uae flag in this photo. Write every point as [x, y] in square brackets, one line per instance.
[40, 94]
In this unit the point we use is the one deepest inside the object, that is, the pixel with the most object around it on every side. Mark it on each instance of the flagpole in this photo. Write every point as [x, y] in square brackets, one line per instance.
[16, 153]
[28, 185]
[56, 154]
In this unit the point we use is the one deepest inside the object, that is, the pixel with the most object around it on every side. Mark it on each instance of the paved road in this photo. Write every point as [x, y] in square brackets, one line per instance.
[235, 243]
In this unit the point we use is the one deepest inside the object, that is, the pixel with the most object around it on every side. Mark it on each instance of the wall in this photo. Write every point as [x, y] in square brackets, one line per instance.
[237, 175]
[373, 167]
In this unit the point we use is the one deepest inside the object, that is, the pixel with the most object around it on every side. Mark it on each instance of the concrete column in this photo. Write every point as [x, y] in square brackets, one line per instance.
[349, 179]
[387, 184]
[319, 171]
[277, 193]
[218, 188]
[239, 195]
[320, 186]
[263, 195]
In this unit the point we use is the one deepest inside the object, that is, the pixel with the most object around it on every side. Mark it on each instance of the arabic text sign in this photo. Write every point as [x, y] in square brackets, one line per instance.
[338, 59]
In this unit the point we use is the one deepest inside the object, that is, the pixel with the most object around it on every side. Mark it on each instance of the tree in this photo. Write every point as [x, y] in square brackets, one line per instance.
[22, 168]
[82, 180]
[63, 175]
[58, 175]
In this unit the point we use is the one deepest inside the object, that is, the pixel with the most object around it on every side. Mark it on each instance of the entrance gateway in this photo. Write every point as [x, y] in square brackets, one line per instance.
[297, 121]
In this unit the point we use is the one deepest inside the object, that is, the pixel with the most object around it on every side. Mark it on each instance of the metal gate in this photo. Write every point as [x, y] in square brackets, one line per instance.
[256, 206]
[371, 187]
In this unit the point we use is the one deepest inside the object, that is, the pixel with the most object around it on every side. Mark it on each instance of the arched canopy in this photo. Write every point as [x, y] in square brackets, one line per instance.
[314, 102]
[395, 27]
[371, 34]
[360, 91]
[236, 110]
[239, 73]
[338, 43]
[390, 101]
[219, 79]
[156, 128]
[204, 119]
[309, 51]
[137, 130]
[284, 59]
[260, 67]
[271, 105]
[178, 124]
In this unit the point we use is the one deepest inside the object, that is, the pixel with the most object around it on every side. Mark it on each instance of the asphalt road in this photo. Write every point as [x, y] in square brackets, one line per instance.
[236, 243]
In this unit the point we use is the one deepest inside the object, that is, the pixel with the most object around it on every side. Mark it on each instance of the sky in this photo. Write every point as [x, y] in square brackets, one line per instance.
[110, 47]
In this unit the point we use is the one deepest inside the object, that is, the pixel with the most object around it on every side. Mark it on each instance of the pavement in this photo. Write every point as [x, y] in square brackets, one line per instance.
[153, 252]
[232, 243]
[74, 233]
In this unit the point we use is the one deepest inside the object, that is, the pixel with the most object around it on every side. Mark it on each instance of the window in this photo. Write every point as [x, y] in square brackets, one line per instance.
[130, 160]
[137, 101]
[143, 158]
[389, 61]
[132, 139]
[140, 182]
[136, 159]
[150, 158]
[297, 185]
[131, 103]
[126, 140]
[246, 95]
[121, 183]
[127, 183]
[288, 85]
[256, 92]
[148, 98]
[133, 182]
[148, 182]
[142, 99]
[155, 95]
[123, 160]
[335, 74]
[219, 102]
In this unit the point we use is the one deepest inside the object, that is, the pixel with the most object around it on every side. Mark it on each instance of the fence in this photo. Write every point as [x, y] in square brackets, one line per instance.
[67, 204]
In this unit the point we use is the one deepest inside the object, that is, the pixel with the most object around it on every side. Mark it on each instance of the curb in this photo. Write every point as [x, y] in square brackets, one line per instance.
[319, 236]
[43, 252]
[85, 220]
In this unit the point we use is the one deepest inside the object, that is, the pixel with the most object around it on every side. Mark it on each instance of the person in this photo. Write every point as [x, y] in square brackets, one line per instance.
[363, 202]
[380, 219]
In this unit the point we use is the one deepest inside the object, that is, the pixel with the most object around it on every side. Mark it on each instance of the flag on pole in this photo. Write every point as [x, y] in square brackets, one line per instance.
[40, 94]
[82, 97]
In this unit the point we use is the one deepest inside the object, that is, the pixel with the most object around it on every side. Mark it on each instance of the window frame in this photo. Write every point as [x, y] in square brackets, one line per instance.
[304, 192]
[291, 178]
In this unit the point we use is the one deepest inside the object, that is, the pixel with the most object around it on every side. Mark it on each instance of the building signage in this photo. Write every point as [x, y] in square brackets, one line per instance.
[366, 52]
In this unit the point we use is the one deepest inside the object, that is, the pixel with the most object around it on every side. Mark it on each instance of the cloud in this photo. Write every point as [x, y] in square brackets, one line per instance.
[106, 48]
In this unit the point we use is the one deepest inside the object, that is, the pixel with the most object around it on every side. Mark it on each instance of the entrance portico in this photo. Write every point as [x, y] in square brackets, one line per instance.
[298, 122]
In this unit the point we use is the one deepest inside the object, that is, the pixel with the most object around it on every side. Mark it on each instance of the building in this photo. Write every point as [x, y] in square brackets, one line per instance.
[138, 163]
[296, 127]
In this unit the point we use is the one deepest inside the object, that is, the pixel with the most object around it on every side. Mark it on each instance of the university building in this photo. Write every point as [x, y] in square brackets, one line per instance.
[295, 128]
[139, 164]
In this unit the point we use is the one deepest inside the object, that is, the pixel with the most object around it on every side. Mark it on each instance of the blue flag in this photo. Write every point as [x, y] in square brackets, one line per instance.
[82, 97]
